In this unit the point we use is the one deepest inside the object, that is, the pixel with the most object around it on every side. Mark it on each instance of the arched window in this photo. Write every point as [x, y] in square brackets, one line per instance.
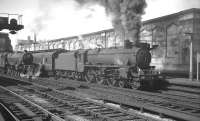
[111, 39]
[158, 38]
[146, 35]
[172, 40]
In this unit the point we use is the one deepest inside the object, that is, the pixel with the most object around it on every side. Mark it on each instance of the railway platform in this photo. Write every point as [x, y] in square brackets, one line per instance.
[184, 82]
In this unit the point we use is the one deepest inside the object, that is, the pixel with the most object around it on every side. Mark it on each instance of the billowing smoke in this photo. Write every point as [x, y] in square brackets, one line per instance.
[125, 14]
[44, 14]
[61, 18]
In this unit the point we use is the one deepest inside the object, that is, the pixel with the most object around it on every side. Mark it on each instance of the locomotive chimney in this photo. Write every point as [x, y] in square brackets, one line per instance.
[28, 38]
[35, 37]
[35, 40]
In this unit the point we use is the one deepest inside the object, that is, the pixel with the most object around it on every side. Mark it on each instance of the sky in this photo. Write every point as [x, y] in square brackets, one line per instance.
[63, 18]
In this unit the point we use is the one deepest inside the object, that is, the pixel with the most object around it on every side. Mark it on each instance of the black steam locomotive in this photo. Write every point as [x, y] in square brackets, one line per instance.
[128, 66]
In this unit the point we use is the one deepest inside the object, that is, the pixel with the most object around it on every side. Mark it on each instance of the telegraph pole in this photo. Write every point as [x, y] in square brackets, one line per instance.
[198, 60]
[191, 55]
[35, 40]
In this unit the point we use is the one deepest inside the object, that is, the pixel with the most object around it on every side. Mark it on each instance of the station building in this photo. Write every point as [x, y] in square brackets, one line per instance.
[174, 34]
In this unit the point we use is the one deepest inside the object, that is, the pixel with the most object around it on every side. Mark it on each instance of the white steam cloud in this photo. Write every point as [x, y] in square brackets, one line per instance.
[126, 14]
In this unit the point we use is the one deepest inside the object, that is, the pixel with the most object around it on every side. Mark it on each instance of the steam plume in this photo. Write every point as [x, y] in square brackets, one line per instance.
[125, 14]
[44, 14]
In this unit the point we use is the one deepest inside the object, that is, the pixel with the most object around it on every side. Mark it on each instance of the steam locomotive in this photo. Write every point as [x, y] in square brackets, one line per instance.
[127, 66]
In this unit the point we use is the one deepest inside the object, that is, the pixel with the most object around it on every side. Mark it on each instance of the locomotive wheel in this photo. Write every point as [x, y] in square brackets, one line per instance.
[67, 74]
[18, 73]
[119, 83]
[100, 80]
[37, 71]
[103, 81]
[29, 71]
[90, 76]
[75, 75]
[135, 85]
[63, 74]
[9, 71]
[57, 75]
[70, 75]
[79, 76]
[113, 82]
[106, 82]
[110, 82]
[14, 72]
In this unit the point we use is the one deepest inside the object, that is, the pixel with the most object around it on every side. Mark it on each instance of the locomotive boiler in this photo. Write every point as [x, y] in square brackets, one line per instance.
[128, 66]
[136, 56]
[27, 58]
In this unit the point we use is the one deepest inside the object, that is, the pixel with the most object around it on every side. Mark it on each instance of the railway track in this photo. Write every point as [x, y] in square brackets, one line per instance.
[176, 90]
[166, 95]
[173, 105]
[63, 106]
[185, 87]
[179, 108]
[16, 108]
[167, 106]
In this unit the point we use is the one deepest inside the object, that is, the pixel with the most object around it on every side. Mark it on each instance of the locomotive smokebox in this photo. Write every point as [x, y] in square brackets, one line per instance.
[143, 58]
[27, 58]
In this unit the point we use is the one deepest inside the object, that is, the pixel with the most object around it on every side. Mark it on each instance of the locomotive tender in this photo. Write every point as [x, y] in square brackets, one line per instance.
[128, 66]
